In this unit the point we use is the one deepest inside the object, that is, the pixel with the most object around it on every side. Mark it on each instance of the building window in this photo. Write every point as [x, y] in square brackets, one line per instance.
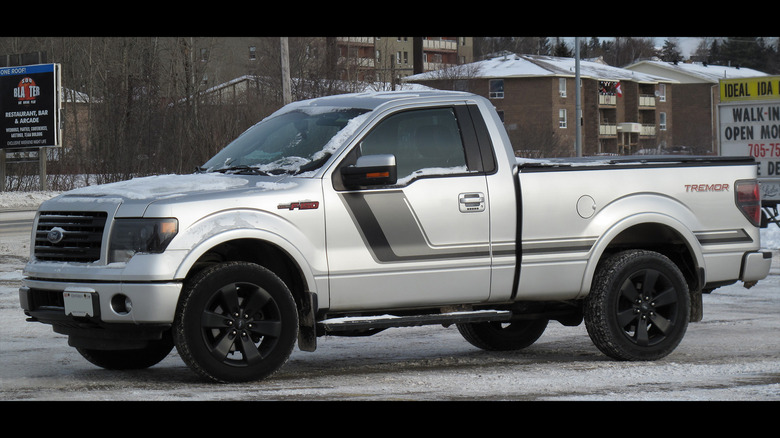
[562, 86]
[562, 118]
[496, 89]
[252, 53]
[662, 92]
[662, 121]
[204, 55]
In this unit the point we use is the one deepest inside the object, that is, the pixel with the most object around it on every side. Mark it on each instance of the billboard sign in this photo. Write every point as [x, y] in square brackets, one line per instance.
[30, 106]
[749, 124]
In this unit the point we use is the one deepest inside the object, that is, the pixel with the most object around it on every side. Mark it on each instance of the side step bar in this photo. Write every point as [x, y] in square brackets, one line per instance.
[388, 321]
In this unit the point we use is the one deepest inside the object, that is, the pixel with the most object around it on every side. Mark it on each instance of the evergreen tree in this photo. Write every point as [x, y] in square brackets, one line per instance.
[561, 49]
[670, 51]
[744, 52]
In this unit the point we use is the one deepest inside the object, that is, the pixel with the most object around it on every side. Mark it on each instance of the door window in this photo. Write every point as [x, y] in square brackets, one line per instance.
[424, 142]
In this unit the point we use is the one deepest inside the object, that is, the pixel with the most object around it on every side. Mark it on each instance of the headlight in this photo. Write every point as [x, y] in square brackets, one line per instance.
[130, 236]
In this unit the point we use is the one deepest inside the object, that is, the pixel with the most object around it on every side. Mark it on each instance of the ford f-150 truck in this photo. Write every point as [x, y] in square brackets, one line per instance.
[351, 214]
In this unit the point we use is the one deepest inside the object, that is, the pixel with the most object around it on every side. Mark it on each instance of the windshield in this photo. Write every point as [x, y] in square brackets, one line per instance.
[293, 142]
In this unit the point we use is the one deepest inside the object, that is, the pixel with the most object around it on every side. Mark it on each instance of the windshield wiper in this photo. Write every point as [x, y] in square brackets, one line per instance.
[313, 165]
[242, 170]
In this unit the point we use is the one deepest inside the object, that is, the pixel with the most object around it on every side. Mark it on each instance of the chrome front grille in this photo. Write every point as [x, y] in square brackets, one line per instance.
[68, 236]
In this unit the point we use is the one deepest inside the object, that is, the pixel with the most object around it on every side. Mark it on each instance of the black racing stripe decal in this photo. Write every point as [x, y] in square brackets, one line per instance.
[392, 233]
[723, 237]
[557, 247]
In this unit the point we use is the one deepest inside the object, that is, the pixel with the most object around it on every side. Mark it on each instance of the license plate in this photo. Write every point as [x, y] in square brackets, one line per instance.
[78, 303]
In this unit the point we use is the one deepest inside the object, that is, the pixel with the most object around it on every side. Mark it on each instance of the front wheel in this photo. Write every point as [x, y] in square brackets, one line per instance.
[235, 322]
[638, 307]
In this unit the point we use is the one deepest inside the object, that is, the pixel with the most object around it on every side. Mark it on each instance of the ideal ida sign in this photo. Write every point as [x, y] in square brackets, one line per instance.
[749, 124]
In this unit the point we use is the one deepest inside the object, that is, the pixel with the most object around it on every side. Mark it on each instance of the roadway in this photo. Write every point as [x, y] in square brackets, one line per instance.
[15, 222]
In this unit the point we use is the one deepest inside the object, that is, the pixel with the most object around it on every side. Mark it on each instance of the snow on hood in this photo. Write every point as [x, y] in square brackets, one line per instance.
[163, 186]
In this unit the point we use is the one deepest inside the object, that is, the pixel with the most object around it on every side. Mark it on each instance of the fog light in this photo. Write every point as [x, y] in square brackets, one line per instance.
[121, 304]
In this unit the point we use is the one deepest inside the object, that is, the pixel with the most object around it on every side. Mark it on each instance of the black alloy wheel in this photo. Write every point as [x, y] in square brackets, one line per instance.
[236, 322]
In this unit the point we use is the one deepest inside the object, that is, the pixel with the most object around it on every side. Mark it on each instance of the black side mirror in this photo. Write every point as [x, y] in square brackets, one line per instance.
[371, 170]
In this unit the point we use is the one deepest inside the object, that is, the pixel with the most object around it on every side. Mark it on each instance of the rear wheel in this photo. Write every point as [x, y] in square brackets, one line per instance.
[638, 307]
[235, 322]
[499, 336]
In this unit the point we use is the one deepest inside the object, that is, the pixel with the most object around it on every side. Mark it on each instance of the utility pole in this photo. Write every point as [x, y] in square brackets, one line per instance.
[285, 60]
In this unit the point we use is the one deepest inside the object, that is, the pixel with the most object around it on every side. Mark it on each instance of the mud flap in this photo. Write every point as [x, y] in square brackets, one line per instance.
[307, 332]
[697, 306]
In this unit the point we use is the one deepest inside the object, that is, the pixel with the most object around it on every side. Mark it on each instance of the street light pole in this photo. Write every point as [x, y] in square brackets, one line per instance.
[578, 104]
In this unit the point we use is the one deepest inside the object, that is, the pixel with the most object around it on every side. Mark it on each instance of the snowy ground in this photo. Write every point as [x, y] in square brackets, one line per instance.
[734, 354]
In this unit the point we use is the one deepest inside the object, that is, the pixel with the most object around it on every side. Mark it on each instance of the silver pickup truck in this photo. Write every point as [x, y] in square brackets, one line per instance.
[350, 214]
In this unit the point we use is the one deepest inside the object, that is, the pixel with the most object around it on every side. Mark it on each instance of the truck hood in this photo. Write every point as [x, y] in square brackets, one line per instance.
[134, 196]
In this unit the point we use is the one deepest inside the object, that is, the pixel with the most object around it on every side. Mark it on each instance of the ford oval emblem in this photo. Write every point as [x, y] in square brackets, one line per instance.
[55, 235]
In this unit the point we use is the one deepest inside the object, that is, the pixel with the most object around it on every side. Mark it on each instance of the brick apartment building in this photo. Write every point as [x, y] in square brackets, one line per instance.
[622, 111]
[696, 98]
[388, 59]
[384, 59]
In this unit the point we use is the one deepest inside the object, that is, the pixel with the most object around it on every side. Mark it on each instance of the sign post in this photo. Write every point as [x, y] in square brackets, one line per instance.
[30, 105]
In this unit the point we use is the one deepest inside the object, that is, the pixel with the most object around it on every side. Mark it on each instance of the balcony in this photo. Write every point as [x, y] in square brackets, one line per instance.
[364, 41]
[357, 62]
[642, 129]
[647, 101]
[440, 45]
[647, 131]
[607, 130]
[607, 99]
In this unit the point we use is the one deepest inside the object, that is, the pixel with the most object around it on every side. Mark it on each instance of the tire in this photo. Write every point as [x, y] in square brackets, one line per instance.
[236, 322]
[627, 325]
[134, 359]
[497, 336]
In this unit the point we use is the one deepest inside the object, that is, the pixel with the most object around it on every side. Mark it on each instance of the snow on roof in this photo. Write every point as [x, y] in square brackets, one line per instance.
[706, 72]
[515, 66]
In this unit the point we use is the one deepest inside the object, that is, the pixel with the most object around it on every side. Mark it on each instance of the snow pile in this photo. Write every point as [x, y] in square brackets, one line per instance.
[770, 237]
[16, 200]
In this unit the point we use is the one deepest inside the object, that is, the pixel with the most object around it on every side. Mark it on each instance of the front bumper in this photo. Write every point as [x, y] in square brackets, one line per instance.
[755, 265]
[151, 303]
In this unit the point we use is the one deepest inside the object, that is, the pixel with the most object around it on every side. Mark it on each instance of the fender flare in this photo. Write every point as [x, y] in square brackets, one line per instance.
[609, 235]
[211, 231]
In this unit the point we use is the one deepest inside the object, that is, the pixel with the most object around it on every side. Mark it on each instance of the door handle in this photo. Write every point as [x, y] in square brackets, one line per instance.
[471, 202]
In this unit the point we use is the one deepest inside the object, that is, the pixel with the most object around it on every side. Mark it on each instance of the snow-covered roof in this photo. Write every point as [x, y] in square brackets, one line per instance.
[517, 66]
[693, 72]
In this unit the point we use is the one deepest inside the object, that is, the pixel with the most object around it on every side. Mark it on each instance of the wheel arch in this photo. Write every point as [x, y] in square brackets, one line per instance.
[654, 232]
[262, 248]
